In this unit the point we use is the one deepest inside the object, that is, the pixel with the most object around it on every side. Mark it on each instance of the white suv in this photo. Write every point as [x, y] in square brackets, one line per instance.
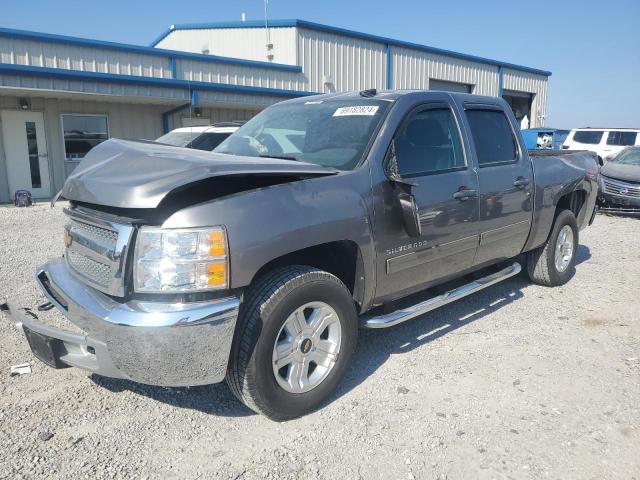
[606, 142]
[200, 138]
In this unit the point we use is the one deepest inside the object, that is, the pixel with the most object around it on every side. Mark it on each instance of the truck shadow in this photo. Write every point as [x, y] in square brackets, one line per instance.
[210, 399]
[582, 254]
[374, 348]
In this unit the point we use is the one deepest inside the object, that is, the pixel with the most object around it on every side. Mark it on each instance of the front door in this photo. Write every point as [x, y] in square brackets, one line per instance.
[25, 150]
[430, 155]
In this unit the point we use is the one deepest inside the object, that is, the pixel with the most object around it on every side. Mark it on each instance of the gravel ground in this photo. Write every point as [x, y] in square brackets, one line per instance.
[518, 381]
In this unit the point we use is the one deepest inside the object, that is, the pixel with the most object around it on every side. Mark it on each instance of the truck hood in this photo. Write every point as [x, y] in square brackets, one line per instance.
[630, 173]
[137, 174]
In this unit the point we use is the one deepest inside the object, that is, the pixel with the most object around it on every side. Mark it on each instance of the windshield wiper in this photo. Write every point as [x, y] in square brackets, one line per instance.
[281, 157]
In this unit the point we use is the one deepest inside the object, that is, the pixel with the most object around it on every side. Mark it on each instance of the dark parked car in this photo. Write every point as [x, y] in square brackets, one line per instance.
[257, 263]
[620, 181]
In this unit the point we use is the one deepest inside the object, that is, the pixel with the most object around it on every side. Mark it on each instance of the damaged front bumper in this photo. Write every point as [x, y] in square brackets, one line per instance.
[167, 344]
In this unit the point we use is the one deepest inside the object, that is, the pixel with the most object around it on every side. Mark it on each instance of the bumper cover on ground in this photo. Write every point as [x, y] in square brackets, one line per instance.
[168, 344]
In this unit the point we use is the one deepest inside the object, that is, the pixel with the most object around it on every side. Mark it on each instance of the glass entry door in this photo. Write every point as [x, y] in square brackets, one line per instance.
[26, 152]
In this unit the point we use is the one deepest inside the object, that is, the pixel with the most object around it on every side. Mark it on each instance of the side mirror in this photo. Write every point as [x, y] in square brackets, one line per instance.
[410, 214]
[406, 201]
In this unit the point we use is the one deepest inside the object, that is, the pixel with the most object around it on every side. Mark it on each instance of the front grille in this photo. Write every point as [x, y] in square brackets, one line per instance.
[99, 234]
[97, 272]
[621, 188]
[96, 250]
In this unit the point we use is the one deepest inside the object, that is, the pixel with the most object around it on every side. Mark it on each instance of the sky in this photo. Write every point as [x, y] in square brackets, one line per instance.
[592, 48]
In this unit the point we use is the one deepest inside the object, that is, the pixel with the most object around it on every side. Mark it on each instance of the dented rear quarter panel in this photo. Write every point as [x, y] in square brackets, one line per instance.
[556, 175]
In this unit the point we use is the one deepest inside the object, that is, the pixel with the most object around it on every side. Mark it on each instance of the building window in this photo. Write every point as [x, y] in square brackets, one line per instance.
[82, 133]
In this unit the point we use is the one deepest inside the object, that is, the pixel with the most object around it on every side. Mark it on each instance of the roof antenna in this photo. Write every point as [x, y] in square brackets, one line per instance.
[269, 45]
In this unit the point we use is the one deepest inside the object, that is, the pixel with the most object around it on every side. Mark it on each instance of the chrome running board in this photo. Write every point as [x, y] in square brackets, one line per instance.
[404, 314]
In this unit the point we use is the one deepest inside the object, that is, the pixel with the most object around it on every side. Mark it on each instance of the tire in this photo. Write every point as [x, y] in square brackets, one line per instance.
[541, 262]
[270, 303]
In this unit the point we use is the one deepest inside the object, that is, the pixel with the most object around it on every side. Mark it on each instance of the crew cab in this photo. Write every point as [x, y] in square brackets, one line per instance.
[259, 262]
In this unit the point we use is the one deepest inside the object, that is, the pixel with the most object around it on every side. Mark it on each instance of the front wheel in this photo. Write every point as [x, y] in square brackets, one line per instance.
[552, 264]
[296, 333]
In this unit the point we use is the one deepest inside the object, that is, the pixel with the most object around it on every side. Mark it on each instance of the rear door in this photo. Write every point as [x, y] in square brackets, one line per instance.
[431, 156]
[505, 179]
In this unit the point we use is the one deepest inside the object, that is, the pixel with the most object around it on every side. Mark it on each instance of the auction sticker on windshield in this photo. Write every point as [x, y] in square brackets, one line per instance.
[356, 110]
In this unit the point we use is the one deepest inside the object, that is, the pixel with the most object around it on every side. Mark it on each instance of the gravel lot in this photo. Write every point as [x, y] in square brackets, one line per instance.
[519, 381]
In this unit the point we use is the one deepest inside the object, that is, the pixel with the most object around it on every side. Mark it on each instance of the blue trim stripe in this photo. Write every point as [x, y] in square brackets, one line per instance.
[11, 69]
[157, 52]
[500, 80]
[348, 33]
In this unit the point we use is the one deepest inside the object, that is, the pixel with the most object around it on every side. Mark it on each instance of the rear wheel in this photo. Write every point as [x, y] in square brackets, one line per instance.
[552, 264]
[296, 333]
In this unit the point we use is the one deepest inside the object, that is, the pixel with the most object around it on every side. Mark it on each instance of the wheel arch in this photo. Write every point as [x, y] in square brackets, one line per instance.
[342, 258]
[574, 201]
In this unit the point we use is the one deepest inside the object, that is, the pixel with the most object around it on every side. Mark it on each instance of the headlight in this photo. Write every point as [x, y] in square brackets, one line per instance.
[185, 260]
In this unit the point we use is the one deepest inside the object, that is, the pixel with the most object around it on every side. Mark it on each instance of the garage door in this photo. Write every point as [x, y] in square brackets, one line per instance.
[449, 86]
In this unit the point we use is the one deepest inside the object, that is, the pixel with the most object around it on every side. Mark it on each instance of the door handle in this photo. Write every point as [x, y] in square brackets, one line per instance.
[464, 194]
[521, 182]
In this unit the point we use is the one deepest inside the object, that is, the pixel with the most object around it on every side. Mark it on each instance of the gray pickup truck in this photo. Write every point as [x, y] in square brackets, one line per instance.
[259, 262]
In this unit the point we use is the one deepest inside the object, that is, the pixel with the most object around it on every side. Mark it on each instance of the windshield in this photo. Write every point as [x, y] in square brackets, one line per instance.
[330, 133]
[630, 156]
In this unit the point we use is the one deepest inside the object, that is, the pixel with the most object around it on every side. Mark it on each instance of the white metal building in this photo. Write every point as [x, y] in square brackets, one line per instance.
[60, 95]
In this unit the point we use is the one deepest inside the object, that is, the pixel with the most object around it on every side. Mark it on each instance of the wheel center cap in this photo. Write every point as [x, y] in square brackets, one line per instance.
[305, 345]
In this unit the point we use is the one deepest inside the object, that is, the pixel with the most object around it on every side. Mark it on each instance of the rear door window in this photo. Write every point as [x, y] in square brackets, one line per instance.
[621, 138]
[589, 137]
[492, 136]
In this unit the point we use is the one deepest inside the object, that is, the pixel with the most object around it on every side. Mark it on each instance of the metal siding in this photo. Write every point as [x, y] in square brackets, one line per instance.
[412, 69]
[352, 63]
[66, 57]
[531, 83]
[229, 99]
[92, 87]
[238, 75]
[84, 59]
[246, 43]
